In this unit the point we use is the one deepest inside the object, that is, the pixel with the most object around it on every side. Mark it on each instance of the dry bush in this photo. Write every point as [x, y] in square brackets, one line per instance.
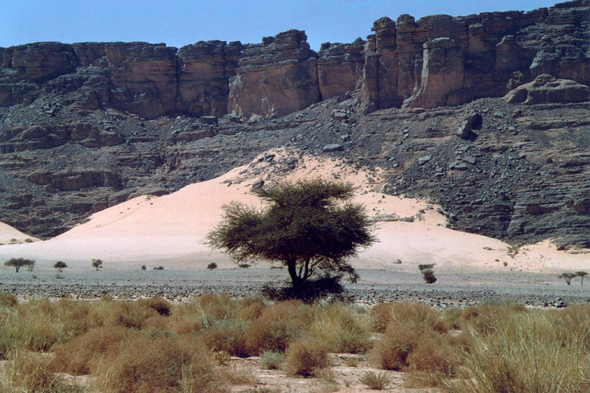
[250, 309]
[391, 352]
[7, 300]
[343, 328]
[31, 373]
[34, 326]
[277, 326]
[485, 318]
[524, 352]
[433, 352]
[163, 364]
[82, 356]
[573, 323]
[306, 356]
[130, 315]
[382, 315]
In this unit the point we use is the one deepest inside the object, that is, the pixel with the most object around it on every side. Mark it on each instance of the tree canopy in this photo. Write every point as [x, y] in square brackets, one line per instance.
[311, 227]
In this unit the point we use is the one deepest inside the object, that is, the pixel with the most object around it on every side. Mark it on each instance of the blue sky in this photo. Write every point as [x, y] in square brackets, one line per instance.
[182, 22]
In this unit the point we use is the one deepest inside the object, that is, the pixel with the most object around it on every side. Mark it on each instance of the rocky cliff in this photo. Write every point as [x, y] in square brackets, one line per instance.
[486, 115]
[436, 61]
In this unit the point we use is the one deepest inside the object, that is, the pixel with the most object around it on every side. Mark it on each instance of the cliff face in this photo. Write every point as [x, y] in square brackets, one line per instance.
[275, 78]
[149, 80]
[436, 61]
[440, 60]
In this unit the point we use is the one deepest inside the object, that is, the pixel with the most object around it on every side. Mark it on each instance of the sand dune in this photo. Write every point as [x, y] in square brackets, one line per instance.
[170, 230]
[10, 235]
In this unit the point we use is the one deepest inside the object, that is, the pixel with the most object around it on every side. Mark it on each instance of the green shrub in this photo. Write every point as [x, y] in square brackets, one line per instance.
[375, 381]
[271, 360]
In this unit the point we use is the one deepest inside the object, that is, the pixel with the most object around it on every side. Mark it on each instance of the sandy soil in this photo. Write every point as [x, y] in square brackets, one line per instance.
[170, 230]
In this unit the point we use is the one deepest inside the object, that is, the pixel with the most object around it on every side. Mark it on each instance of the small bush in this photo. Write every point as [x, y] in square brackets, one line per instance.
[159, 268]
[271, 360]
[143, 267]
[212, 266]
[305, 357]
[428, 276]
[28, 240]
[375, 381]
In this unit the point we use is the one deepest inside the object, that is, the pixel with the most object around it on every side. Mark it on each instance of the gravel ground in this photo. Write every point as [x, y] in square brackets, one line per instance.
[375, 286]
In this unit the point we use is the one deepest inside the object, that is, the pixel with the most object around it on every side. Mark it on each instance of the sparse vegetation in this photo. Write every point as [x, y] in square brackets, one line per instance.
[159, 268]
[212, 266]
[97, 264]
[60, 266]
[17, 263]
[153, 345]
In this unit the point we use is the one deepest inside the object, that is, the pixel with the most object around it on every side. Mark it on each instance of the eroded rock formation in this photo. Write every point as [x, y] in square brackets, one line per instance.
[436, 61]
[275, 78]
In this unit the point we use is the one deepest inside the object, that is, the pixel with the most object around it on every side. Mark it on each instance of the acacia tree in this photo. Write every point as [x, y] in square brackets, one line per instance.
[17, 263]
[97, 264]
[311, 227]
[60, 266]
[568, 277]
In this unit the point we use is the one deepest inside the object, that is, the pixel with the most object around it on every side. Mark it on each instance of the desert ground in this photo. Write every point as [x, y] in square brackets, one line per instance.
[170, 231]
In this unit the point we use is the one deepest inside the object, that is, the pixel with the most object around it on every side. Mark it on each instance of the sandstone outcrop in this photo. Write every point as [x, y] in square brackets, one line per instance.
[547, 89]
[340, 68]
[204, 77]
[275, 78]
